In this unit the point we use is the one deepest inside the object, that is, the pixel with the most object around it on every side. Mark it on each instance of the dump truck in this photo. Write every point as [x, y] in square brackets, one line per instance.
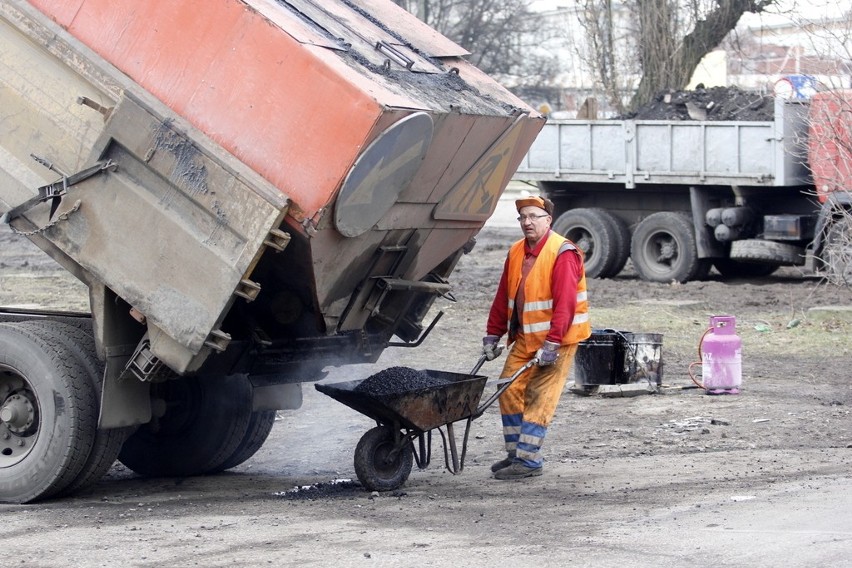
[252, 191]
[677, 197]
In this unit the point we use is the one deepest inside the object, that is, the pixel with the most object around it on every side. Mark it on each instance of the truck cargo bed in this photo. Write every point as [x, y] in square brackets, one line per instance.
[636, 152]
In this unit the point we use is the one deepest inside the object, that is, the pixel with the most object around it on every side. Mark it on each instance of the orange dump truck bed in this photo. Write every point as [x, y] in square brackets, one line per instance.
[293, 89]
[285, 183]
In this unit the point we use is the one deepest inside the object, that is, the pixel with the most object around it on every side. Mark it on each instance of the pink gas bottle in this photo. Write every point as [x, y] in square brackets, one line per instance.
[721, 357]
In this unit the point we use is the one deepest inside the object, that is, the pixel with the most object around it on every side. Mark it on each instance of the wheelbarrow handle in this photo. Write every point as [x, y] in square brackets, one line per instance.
[531, 363]
[482, 360]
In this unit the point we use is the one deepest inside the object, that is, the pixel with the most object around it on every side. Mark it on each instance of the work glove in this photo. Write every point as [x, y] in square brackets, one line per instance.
[490, 348]
[547, 354]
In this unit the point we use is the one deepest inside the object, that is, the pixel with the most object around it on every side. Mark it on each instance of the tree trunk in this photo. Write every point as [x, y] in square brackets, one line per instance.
[668, 63]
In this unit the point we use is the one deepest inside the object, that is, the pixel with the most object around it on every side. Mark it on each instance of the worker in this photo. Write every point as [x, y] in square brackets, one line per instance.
[541, 304]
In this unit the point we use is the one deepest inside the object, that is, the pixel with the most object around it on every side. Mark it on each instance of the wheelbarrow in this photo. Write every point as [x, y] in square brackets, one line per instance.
[385, 455]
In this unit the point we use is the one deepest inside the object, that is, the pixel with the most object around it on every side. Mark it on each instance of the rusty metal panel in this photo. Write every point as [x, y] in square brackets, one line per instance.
[438, 245]
[450, 133]
[475, 196]
[170, 230]
[482, 135]
[452, 397]
[167, 228]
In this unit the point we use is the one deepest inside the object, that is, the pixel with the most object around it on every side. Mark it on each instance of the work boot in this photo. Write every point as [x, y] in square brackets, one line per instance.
[504, 463]
[517, 471]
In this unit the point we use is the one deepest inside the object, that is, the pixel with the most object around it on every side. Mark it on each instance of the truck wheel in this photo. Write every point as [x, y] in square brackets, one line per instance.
[107, 443]
[621, 250]
[735, 269]
[663, 248]
[837, 253]
[259, 428]
[372, 466]
[756, 250]
[48, 415]
[204, 423]
[594, 234]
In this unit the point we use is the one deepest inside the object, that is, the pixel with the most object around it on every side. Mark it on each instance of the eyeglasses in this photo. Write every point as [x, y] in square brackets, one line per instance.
[523, 218]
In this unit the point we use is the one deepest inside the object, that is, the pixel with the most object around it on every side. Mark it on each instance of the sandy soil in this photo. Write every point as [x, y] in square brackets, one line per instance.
[677, 478]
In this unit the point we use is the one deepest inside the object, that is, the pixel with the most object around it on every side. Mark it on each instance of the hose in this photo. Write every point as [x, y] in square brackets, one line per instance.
[700, 358]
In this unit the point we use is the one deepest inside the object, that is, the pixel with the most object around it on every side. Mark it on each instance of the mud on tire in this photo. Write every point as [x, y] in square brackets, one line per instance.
[374, 470]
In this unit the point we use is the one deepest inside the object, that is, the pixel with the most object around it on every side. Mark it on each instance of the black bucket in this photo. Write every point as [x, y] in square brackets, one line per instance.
[643, 358]
[600, 359]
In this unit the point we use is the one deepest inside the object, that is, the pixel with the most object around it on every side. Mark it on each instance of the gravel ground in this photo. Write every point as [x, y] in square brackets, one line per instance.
[675, 479]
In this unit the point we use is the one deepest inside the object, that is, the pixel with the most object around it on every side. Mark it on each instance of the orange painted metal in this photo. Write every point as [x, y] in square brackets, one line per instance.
[829, 141]
[275, 86]
[240, 79]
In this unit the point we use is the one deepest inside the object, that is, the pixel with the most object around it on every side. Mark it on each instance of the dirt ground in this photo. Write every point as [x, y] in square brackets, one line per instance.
[677, 478]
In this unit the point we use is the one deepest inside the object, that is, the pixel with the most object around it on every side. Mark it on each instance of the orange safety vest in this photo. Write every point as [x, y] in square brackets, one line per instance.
[538, 294]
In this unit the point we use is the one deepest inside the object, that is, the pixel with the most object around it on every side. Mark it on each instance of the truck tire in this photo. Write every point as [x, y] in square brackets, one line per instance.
[107, 442]
[729, 268]
[594, 234]
[663, 249]
[374, 470]
[48, 415]
[756, 250]
[622, 243]
[205, 421]
[258, 431]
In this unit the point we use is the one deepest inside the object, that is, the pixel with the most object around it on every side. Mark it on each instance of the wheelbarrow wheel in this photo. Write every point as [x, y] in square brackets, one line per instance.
[375, 469]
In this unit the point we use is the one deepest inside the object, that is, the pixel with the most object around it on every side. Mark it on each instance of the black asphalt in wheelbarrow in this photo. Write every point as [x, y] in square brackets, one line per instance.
[385, 454]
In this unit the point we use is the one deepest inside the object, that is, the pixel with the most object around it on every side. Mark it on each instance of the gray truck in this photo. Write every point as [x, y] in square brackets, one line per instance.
[678, 197]
[251, 193]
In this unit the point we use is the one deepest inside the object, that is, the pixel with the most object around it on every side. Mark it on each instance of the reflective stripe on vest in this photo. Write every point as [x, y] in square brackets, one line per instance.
[538, 307]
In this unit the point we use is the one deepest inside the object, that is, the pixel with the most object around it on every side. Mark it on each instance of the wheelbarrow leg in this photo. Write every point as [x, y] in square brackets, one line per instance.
[424, 456]
[454, 462]
[453, 450]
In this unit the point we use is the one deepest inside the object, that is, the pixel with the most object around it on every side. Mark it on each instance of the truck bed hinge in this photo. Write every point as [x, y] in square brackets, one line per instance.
[218, 340]
[247, 289]
[277, 239]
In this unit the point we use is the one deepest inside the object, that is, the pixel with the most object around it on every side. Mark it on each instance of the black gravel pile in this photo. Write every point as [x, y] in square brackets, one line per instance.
[715, 103]
[323, 489]
[398, 380]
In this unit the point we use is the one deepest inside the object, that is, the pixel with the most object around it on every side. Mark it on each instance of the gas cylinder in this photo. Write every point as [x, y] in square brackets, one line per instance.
[721, 357]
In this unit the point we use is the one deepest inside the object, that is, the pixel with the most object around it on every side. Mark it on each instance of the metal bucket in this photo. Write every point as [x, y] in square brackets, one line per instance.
[643, 358]
[599, 359]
